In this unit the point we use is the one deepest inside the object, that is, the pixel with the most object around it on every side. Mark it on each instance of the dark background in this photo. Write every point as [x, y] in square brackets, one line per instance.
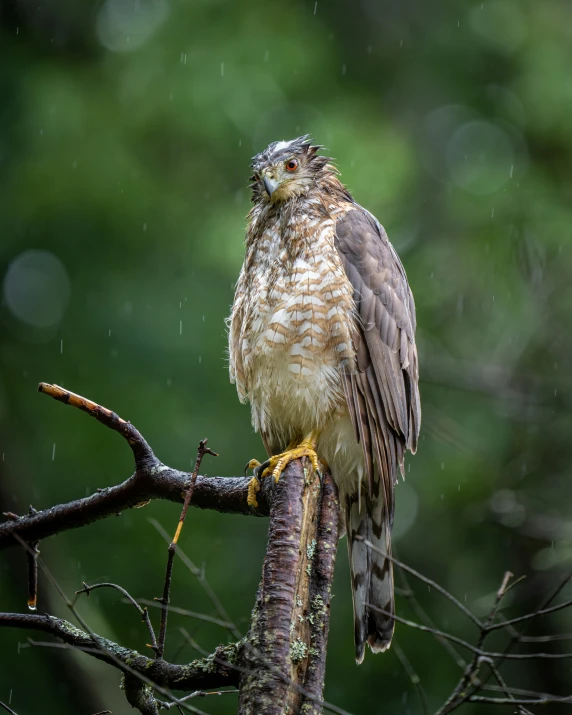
[126, 130]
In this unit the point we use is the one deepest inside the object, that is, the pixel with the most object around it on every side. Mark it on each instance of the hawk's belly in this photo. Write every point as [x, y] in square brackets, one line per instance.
[301, 337]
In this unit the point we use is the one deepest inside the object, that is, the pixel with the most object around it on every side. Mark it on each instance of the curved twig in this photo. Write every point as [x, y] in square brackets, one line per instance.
[142, 452]
[143, 612]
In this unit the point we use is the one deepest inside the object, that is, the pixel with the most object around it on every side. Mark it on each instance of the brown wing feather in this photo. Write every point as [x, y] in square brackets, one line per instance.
[382, 393]
[383, 399]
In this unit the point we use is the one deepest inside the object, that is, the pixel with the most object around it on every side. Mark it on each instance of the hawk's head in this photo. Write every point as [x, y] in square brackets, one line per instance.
[287, 169]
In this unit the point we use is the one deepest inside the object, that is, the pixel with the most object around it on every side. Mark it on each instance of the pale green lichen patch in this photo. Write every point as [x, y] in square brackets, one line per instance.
[318, 604]
[318, 611]
[298, 651]
[207, 665]
[311, 548]
[210, 664]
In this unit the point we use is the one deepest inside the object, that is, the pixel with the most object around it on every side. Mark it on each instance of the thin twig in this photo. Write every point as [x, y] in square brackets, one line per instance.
[191, 614]
[528, 616]
[197, 694]
[202, 579]
[521, 691]
[408, 593]
[509, 701]
[143, 612]
[165, 598]
[32, 558]
[546, 639]
[424, 579]
[469, 646]
[8, 710]
[500, 680]
[413, 676]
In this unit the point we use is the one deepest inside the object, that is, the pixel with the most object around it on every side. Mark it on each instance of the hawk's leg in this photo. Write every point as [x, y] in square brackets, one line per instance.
[276, 464]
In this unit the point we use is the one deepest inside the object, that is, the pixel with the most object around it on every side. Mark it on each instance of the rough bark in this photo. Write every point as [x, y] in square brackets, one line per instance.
[285, 650]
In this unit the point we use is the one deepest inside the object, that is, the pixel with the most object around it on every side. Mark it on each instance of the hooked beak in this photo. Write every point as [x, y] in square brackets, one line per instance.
[270, 185]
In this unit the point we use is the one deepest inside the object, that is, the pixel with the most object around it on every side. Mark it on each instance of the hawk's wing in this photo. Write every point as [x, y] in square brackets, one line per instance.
[382, 392]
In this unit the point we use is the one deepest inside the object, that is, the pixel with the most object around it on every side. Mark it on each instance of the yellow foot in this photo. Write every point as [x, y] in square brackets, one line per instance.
[253, 489]
[276, 464]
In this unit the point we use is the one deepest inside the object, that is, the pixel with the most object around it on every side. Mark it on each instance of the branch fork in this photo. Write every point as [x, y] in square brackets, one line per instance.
[292, 604]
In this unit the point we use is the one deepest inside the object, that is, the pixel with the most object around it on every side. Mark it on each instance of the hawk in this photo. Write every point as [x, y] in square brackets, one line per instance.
[322, 345]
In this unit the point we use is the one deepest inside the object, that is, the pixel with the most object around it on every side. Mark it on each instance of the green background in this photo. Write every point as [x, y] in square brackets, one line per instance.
[126, 130]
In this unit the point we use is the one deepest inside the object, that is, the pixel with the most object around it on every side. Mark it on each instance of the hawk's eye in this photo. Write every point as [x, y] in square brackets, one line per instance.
[292, 165]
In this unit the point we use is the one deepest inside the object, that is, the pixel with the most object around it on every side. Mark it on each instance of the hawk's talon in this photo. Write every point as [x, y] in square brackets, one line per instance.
[260, 470]
[251, 464]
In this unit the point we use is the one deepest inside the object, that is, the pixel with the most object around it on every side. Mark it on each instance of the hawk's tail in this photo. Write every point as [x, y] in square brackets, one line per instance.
[371, 572]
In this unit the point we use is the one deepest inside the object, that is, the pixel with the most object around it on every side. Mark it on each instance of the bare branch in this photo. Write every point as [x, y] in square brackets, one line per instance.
[204, 674]
[223, 494]
[152, 480]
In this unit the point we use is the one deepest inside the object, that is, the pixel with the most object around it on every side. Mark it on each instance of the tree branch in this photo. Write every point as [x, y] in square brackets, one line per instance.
[213, 672]
[152, 480]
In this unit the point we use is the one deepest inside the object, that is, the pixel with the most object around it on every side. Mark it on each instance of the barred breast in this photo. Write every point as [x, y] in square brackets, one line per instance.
[291, 326]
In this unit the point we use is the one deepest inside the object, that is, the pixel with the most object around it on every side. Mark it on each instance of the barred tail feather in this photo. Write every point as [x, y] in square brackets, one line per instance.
[372, 573]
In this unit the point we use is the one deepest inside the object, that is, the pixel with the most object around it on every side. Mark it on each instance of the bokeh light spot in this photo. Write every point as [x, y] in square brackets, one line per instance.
[125, 25]
[36, 288]
[480, 156]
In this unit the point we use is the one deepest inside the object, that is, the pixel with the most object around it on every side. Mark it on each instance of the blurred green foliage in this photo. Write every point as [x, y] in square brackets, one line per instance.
[126, 130]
